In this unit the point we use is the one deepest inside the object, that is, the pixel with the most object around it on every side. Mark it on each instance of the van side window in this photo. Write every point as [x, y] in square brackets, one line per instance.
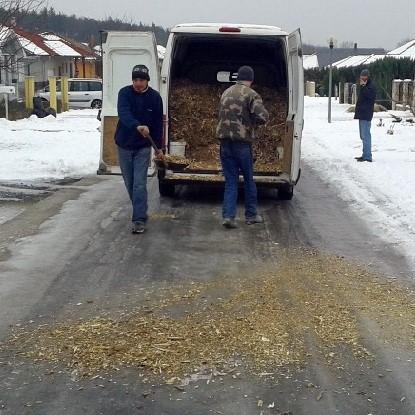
[95, 86]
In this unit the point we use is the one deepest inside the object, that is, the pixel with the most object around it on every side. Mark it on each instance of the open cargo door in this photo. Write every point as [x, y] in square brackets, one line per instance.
[296, 107]
[121, 52]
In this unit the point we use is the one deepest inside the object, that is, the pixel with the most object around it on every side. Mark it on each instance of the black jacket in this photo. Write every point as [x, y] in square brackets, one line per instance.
[366, 102]
[136, 109]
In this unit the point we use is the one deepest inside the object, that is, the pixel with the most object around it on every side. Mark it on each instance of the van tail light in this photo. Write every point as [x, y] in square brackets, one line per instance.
[227, 29]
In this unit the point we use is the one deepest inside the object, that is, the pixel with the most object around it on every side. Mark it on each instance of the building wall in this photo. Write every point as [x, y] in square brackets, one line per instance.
[85, 68]
[45, 66]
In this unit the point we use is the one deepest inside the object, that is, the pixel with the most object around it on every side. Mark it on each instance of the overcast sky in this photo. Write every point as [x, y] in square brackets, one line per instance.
[370, 23]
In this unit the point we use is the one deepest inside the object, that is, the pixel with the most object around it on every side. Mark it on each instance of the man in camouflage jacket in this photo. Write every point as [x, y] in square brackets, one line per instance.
[241, 111]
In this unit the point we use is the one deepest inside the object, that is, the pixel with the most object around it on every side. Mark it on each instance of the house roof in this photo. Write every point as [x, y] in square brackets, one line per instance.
[310, 61]
[46, 44]
[405, 51]
[357, 60]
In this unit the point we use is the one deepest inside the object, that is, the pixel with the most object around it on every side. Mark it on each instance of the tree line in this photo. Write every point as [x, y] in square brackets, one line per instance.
[81, 29]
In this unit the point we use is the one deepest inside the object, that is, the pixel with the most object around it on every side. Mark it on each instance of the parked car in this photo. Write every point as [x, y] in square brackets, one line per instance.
[83, 93]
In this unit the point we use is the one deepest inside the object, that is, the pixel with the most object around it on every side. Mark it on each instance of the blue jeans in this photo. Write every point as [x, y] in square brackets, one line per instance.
[134, 167]
[236, 157]
[365, 136]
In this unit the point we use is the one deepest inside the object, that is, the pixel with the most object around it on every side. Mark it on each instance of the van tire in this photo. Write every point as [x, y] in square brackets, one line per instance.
[285, 192]
[166, 189]
[96, 103]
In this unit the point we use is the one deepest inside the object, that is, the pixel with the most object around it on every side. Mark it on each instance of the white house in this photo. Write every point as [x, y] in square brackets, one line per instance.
[23, 53]
[310, 61]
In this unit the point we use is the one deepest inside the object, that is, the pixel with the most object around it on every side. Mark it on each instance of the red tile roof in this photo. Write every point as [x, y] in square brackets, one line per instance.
[40, 40]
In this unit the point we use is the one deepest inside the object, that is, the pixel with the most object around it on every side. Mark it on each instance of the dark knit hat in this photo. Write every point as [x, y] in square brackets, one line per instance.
[141, 72]
[245, 73]
[365, 72]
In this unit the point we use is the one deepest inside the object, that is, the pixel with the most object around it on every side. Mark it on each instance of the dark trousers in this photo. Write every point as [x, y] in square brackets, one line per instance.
[134, 168]
[237, 157]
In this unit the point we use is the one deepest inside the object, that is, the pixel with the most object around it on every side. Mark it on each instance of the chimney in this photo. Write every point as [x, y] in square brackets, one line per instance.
[355, 49]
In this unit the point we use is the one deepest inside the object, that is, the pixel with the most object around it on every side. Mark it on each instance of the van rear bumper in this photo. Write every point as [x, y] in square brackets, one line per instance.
[212, 179]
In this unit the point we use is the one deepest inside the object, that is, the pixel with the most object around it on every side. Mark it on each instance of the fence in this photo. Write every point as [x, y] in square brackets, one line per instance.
[347, 93]
[403, 94]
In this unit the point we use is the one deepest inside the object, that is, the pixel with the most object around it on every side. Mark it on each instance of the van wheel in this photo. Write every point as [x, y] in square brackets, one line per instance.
[96, 103]
[166, 189]
[285, 192]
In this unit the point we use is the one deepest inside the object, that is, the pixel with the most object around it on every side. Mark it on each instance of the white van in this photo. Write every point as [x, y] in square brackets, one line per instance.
[82, 92]
[205, 57]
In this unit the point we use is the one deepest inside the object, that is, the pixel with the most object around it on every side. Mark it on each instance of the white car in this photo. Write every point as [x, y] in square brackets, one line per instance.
[83, 93]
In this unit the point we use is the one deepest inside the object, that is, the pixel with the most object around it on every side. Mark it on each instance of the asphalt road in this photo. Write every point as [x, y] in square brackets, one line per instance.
[70, 255]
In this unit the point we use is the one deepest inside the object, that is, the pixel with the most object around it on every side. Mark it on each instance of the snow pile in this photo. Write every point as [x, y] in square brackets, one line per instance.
[50, 148]
[382, 192]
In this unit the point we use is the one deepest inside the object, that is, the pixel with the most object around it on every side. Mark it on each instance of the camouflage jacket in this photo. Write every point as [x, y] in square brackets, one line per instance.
[241, 110]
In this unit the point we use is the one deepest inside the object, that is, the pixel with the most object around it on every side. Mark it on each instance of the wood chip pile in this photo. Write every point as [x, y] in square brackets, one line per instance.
[307, 306]
[194, 116]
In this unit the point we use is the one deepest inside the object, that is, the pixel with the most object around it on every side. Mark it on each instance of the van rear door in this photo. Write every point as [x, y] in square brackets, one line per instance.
[296, 106]
[121, 52]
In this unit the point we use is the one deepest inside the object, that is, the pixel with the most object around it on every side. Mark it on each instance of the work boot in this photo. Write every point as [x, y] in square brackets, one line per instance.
[358, 158]
[254, 219]
[138, 227]
[229, 223]
[362, 159]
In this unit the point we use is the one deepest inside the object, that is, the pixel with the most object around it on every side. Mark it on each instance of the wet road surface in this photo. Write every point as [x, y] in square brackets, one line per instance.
[70, 255]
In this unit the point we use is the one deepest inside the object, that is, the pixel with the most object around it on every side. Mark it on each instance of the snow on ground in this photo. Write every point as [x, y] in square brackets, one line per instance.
[50, 148]
[382, 192]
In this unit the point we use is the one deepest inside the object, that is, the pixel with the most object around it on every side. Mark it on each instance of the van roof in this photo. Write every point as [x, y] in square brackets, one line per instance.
[213, 28]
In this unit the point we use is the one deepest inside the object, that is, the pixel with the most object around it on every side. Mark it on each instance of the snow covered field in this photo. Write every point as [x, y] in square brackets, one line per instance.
[382, 192]
[50, 148]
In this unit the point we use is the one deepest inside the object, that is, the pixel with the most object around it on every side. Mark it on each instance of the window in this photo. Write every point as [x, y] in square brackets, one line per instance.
[95, 86]
[78, 86]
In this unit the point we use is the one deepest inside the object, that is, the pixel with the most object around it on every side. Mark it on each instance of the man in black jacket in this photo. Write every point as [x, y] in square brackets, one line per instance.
[140, 113]
[364, 113]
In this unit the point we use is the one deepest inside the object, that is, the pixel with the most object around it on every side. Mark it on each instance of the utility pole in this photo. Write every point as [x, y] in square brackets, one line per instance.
[331, 45]
[102, 33]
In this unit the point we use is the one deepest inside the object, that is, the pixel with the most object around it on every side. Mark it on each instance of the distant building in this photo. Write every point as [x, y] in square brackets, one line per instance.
[405, 51]
[23, 53]
[310, 61]
[161, 51]
[359, 60]
[338, 54]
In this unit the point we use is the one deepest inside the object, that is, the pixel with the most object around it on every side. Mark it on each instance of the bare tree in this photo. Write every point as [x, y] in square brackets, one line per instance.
[347, 44]
[10, 8]
[10, 49]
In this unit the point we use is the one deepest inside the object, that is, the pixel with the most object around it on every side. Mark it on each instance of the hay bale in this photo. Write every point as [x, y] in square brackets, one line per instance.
[194, 117]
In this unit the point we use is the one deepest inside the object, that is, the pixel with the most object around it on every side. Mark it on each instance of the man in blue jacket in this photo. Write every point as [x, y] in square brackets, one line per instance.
[364, 113]
[140, 113]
